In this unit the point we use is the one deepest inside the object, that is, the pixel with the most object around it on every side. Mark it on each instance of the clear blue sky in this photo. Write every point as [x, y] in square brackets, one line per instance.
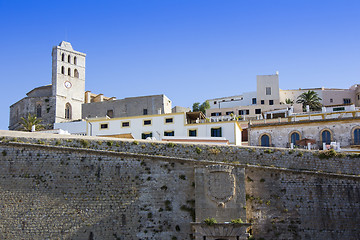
[189, 50]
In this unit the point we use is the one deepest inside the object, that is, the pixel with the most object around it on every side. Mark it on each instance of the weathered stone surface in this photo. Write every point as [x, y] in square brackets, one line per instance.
[58, 188]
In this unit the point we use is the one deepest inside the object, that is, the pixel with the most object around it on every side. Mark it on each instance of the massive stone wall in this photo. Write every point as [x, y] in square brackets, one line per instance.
[84, 188]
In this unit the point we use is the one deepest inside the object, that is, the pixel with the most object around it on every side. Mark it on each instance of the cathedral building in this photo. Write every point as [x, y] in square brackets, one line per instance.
[66, 100]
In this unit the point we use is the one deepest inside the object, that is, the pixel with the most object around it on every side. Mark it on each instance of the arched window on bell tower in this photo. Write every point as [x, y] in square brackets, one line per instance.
[63, 57]
[68, 111]
[62, 70]
[75, 60]
[69, 59]
[69, 71]
[76, 73]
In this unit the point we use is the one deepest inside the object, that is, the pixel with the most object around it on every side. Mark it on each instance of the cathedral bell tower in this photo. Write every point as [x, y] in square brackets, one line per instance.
[68, 82]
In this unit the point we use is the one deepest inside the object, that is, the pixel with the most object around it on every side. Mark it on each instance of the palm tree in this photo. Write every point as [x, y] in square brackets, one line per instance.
[310, 98]
[30, 121]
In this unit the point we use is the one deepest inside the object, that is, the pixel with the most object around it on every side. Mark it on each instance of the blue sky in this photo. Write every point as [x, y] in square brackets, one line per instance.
[189, 50]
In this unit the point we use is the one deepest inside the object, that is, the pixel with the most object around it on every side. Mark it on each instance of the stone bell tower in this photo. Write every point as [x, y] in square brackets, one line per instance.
[68, 82]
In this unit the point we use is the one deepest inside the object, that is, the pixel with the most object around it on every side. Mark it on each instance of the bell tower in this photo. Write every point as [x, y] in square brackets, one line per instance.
[68, 82]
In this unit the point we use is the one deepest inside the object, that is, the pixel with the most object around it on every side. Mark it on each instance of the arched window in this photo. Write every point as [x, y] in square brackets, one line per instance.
[69, 59]
[265, 140]
[75, 60]
[62, 70]
[38, 110]
[63, 57]
[69, 71]
[357, 136]
[294, 137]
[67, 111]
[326, 136]
[76, 73]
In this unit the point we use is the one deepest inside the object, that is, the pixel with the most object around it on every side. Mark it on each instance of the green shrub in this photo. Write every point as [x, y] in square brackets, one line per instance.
[135, 142]
[198, 150]
[237, 221]
[210, 221]
[110, 143]
[170, 144]
[84, 143]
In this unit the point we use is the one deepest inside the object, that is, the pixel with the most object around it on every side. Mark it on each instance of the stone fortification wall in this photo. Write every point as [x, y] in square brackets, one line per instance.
[101, 188]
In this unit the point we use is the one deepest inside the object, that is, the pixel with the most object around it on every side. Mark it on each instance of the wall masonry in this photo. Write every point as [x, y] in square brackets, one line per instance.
[56, 187]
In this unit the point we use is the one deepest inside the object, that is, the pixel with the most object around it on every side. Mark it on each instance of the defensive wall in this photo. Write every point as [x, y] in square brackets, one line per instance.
[57, 187]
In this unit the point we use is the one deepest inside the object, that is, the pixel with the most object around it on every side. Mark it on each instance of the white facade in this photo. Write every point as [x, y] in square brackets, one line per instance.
[157, 127]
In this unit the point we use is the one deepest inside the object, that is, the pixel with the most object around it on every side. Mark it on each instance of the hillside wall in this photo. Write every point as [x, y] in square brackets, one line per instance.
[86, 188]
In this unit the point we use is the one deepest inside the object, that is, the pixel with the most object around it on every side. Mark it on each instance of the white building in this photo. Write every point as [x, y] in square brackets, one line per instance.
[177, 127]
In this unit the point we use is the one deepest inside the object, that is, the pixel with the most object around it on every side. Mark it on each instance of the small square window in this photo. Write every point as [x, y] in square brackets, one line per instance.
[331, 100]
[262, 102]
[145, 112]
[271, 102]
[169, 133]
[147, 122]
[254, 101]
[214, 102]
[104, 126]
[216, 132]
[347, 100]
[169, 120]
[258, 111]
[125, 124]
[192, 133]
[146, 135]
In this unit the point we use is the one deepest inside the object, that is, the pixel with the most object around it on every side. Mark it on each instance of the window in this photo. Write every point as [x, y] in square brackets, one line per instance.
[169, 120]
[63, 57]
[271, 102]
[326, 136]
[214, 102]
[258, 111]
[244, 112]
[146, 135]
[147, 122]
[76, 73]
[38, 110]
[75, 60]
[125, 124]
[254, 101]
[357, 136]
[294, 137]
[145, 111]
[216, 132]
[104, 126]
[229, 113]
[331, 100]
[347, 100]
[265, 140]
[262, 102]
[62, 70]
[338, 109]
[69, 71]
[110, 113]
[192, 133]
[216, 114]
[67, 111]
[268, 91]
[69, 59]
[169, 133]
[358, 97]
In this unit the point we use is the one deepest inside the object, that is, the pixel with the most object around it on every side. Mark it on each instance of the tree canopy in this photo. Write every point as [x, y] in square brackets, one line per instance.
[310, 98]
[197, 107]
